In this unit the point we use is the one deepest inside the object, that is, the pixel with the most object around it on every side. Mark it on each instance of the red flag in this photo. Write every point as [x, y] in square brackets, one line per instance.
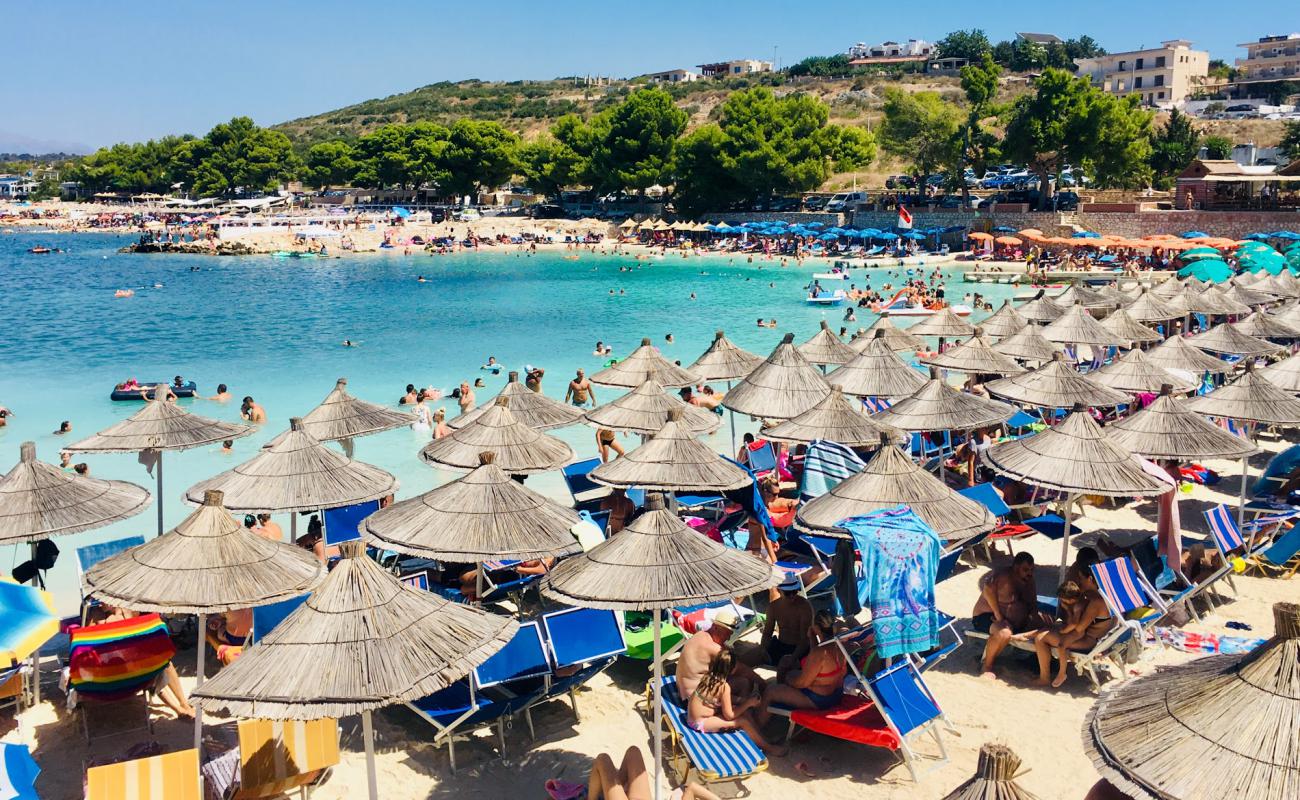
[904, 218]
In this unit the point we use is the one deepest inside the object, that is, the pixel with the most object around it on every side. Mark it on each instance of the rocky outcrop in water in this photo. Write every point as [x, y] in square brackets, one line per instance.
[197, 248]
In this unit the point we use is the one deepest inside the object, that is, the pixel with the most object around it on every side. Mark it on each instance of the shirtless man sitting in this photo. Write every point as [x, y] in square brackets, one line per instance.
[785, 632]
[700, 650]
[1008, 607]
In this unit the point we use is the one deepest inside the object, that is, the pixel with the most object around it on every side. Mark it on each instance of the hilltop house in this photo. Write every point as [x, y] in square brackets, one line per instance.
[1161, 76]
[725, 69]
[1269, 60]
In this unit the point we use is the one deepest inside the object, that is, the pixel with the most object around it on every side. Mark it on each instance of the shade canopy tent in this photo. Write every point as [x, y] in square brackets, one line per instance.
[724, 361]
[672, 460]
[1056, 385]
[837, 419]
[877, 371]
[995, 777]
[784, 386]
[975, 356]
[533, 409]
[1077, 326]
[1133, 373]
[1177, 353]
[826, 349]
[895, 337]
[520, 450]
[645, 409]
[1028, 344]
[1228, 340]
[1004, 322]
[936, 406]
[160, 425]
[645, 364]
[342, 416]
[944, 323]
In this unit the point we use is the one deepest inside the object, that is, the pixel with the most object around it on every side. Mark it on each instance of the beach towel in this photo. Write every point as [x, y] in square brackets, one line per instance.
[751, 499]
[900, 560]
[116, 659]
[1207, 643]
[825, 466]
[18, 773]
[844, 577]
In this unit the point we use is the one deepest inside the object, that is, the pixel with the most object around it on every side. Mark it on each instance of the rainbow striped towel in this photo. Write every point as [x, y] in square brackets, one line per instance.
[118, 659]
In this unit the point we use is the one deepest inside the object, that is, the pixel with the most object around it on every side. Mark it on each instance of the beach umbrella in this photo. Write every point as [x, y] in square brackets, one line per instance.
[672, 460]
[1228, 340]
[1167, 429]
[936, 406]
[520, 450]
[892, 479]
[645, 409]
[1194, 235]
[1074, 457]
[644, 364]
[1041, 309]
[1056, 384]
[995, 777]
[782, 387]
[1077, 326]
[160, 425]
[1133, 372]
[656, 563]
[1209, 301]
[1197, 253]
[208, 564]
[826, 349]
[1210, 270]
[1028, 344]
[837, 419]
[1219, 726]
[895, 337]
[1128, 329]
[1265, 326]
[1167, 288]
[975, 356]
[361, 641]
[1281, 284]
[1078, 294]
[1249, 297]
[533, 409]
[342, 416]
[724, 361]
[1004, 322]
[1151, 307]
[29, 622]
[1284, 374]
[877, 371]
[18, 771]
[1176, 353]
[943, 323]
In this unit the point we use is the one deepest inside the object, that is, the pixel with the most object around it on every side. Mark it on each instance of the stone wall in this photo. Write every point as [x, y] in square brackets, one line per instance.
[792, 217]
[1235, 224]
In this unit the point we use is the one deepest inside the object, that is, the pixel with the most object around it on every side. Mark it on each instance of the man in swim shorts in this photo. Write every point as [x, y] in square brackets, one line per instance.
[580, 391]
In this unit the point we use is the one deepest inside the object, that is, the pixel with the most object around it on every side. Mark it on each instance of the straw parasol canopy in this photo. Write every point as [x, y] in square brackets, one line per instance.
[483, 516]
[1041, 309]
[895, 337]
[342, 416]
[1028, 344]
[1230, 341]
[207, 564]
[826, 349]
[1077, 294]
[1005, 321]
[723, 361]
[1249, 297]
[645, 410]
[1250, 398]
[1212, 301]
[1166, 429]
[943, 323]
[1289, 315]
[1285, 374]
[1176, 353]
[645, 364]
[39, 500]
[1133, 372]
[672, 460]
[1151, 307]
[977, 356]
[520, 450]
[936, 406]
[1077, 326]
[1265, 326]
[160, 425]
[782, 387]
[890, 479]
[1075, 455]
[836, 419]
[1128, 329]
[296, 473]
[530, 408]
[360, 642]
[994, 779]
[878, 371]
[1214, 727]
[1055, 385]
[1167, 288]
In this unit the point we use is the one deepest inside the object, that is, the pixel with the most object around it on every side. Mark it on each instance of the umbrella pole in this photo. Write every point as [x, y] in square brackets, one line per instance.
[159, 498]
[36, 654]
[658, 712]
[198, 680]
[1065, 536]
[732, 415]
[369, 730]
[293, 527]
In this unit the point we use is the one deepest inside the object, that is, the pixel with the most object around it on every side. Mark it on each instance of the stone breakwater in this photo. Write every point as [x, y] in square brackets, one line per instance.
[209, 248]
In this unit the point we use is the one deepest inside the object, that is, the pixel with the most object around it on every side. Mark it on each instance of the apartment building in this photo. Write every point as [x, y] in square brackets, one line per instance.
[1163, 76]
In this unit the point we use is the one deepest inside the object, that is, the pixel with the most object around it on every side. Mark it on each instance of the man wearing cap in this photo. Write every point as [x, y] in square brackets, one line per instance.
[785, 633]
[700, 650]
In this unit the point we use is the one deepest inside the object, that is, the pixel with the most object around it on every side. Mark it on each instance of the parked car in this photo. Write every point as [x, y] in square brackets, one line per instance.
[815, 203]
[845, 201]
[1066, 201]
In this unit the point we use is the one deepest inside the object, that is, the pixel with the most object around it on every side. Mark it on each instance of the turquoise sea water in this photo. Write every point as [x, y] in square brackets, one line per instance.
[272, 328]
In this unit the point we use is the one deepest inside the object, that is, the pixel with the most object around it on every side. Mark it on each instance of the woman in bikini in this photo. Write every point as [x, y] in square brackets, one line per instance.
[1085, 620]
[818, 682]
[711, 709]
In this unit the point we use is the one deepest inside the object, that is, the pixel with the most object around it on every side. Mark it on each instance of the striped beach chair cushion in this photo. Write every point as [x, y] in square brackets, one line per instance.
[1119, 584]
[1224, 529]
[118, 659]
[718, 756]
[276, 756]
[172, 776]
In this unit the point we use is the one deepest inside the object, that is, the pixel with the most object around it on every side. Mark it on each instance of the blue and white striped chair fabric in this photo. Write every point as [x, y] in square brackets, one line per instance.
[715, 756]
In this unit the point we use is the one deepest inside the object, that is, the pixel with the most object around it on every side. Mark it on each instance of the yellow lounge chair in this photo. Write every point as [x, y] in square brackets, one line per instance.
[276, 757]
[172, 776]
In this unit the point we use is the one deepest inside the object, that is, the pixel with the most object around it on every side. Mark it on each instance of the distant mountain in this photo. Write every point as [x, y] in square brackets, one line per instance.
[17, 143]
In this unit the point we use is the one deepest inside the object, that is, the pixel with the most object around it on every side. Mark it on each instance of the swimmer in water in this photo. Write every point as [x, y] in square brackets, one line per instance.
[669, 338]
[420, 279]
[349, 343]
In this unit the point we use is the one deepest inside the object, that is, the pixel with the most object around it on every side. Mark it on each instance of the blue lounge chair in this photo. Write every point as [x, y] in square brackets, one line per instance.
[762, 460]
[266, 617]
[1129, 595]
[909, 709]
[730, 756]
[586, 493]
[92, 554]
[948, 560]
[589, 639]
[1280, 558]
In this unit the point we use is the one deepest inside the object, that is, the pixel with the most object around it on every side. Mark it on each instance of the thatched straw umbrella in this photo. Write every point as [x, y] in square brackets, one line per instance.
[1077, 326]
[1133, 372]
[895, 337]
[1212, 301]
[1028, 344]
[826, 349]
[1167, 288]
[1128, 329]
[1041, 309]
[936, 406]
[1005, 321]
[645, 410]
[645, 364]
[724, 361]
[1214, 727]
[1228, 340]
[1177, 353]
[1285, 374]
[655, 563]
[878, 371]
[944, 323]
[340, 416]
[1265, 326]
[530, 408]
[1077, 294]
[672, 460]
[208, 564]
[782, 387]
[1074, 457]
[1055, 385]
[160, 425]
[994, 779]
[891, 479]
[1166, 429]
[835, 419]
[1249, 297]
[975, 356]
[1289, 315]
[1151, 307]
[361, 641]
[520, 450]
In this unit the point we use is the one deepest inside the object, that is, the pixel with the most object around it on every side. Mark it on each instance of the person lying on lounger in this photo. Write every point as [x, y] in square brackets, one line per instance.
[818, 680]
[713, 708]
[628, 781]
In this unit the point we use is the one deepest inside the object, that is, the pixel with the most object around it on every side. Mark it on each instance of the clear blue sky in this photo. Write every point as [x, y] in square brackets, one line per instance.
[100, 72]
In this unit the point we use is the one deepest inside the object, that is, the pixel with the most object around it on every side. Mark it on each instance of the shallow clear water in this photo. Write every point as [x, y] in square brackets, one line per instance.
[272, 328]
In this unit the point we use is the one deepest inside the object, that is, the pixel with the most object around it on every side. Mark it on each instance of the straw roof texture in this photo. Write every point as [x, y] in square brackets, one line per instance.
[1075, 455]
[672, 460]
[943, 323]
[895, 337]
[296, 473]
[1249, 296]
[483, 516]
[342, 416]
[1218, 727]
[1077, 326]
[1166, 429]
[936, 406]
[1227, 339]
[520, 450]
[994, 779]
[1177, 353]
[1077, 294]
[975, 355]
[1005, 321]
[1151, 307]
[782, 387]
[361, 641]
[530, 408]
[1056, 384]
[877, 371]
[39, 500]
[645, 410]
[890, 479]
[645, 364]
[827, 349]
[1265, 326]
[1285, 374]
[1277, 286]
[1211, 301]
[160, 425]
[1132, 373]
[1250, 398]
[1128, 329]
[207, 564]
[657, 562]
[1289, 315]
[1028, 344]
[837, 419]
[1167, 288]
[1041, 309]
[724, 361]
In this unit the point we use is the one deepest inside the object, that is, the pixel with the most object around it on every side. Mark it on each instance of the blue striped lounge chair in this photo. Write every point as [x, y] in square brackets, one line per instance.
[714, 757]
